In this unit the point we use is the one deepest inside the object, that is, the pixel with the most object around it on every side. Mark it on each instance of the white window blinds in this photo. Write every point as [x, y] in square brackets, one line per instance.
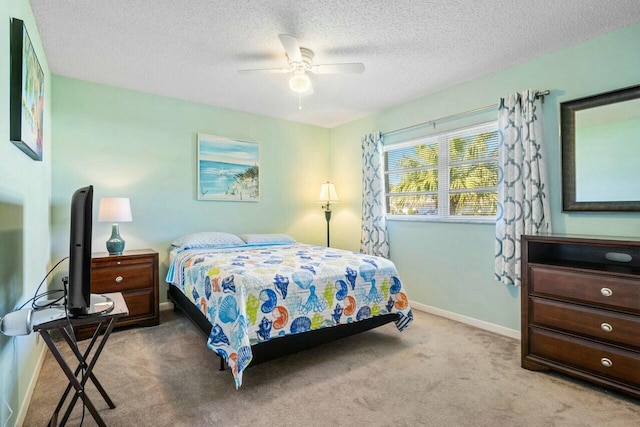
[452, 175]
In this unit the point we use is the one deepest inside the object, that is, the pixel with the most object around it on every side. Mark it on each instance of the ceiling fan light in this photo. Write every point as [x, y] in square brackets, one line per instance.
[300, 82]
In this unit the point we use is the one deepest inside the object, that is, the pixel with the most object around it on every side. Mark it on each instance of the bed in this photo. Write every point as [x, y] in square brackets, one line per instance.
[266, 295]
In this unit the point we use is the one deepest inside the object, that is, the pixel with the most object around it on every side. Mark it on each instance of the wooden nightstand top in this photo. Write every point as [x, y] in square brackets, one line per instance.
[131, 253]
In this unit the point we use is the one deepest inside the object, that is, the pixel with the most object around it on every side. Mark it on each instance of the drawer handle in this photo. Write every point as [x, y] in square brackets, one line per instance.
[606, 292]
[606, 362]
[119, 279]
[606, 327]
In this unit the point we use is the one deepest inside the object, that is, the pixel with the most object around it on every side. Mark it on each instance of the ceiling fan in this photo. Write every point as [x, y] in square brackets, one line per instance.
[300, 61]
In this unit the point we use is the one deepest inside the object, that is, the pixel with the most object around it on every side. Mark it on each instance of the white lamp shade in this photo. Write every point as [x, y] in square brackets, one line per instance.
[328, 194]
[114, 209]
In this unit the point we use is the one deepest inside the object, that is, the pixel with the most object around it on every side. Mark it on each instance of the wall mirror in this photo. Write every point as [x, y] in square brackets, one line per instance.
[600, 138]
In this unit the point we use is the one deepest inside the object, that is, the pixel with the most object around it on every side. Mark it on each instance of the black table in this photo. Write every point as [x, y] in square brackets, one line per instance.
[86, 362]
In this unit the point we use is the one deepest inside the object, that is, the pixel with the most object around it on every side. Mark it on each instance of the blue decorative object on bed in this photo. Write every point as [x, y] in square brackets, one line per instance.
[252, 294]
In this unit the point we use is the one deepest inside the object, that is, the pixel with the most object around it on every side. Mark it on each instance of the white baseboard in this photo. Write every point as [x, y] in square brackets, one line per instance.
[167, 305]
[491, 327]
[24, 408]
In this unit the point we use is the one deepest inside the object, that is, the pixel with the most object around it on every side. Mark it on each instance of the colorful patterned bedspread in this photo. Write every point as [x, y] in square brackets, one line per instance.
[252, 294]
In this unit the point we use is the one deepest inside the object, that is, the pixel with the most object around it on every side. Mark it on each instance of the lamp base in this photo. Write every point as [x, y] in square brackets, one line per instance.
[115, 244]
[327, 216]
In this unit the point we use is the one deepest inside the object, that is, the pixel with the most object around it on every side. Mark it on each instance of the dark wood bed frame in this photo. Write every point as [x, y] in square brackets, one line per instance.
[280, 346]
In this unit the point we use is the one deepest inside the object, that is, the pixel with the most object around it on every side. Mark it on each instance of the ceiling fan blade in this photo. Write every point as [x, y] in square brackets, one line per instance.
[291, 46]
[347, 68]
[266, 70]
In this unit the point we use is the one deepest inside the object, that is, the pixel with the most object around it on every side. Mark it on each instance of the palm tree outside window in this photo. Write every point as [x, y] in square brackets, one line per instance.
[449, 176]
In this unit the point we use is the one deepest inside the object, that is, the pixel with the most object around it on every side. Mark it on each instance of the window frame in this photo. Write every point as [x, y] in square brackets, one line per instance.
[443, 167]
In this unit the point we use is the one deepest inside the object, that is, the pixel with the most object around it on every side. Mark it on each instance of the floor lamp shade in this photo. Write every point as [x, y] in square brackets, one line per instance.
[327, 196]
[115, 210]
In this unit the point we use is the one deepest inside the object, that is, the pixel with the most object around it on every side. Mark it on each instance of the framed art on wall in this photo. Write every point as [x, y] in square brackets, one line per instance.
[27, 93]
[228, 169]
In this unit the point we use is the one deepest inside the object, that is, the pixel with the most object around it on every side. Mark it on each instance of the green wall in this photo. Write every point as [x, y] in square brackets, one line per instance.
[450, 265]
[142, 146]
[26, 184]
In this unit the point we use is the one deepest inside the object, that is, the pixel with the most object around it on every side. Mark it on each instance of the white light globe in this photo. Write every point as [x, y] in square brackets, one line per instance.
[300, 82]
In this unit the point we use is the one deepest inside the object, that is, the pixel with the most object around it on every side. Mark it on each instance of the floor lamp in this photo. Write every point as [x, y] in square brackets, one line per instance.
[327, 196]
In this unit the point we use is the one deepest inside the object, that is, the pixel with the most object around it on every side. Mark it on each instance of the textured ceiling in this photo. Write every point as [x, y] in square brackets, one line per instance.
[191, 49]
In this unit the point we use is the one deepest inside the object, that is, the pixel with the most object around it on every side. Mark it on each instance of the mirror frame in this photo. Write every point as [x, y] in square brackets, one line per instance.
[568, 110]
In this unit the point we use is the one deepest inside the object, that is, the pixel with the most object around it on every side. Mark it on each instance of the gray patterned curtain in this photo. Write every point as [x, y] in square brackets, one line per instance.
[523, 199]
[373, 240]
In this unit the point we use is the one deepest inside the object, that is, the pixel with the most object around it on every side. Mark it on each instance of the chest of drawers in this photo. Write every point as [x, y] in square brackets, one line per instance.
[135, 274]
[581, 308]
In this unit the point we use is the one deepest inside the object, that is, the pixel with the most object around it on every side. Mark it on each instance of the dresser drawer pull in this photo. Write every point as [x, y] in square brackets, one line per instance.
[606, 327]
[606, 292]
[119, 279]
[607, 363]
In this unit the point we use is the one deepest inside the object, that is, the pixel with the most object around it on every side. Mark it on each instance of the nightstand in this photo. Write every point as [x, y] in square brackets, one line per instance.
[135, 274]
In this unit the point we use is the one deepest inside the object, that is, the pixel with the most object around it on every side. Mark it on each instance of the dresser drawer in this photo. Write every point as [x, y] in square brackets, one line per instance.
[621, 329]
[588, 287]
[586, 356]
[121, 278]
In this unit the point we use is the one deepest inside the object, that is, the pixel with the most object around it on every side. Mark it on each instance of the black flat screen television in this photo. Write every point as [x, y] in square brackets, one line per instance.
[79, 293]
[80, 301]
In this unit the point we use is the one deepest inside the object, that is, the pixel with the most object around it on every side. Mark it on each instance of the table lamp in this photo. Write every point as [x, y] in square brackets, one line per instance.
[115, 210]
[327, 196]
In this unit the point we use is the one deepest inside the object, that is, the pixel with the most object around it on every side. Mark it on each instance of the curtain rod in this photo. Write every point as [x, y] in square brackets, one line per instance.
[539, 94]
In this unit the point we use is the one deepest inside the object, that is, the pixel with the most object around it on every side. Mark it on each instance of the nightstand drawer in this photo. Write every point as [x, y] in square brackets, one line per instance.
[589, 288]
[121, 278]
[621, 329]
[140, 303]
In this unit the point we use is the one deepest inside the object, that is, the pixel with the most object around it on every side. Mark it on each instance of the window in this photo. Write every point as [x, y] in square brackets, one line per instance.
[452, 175]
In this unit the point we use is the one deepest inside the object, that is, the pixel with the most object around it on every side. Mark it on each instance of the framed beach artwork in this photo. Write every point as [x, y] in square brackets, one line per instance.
[228, 169]
[27, 93]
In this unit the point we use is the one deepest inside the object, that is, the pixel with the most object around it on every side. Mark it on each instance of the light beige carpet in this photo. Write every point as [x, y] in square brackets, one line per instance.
[436, 373]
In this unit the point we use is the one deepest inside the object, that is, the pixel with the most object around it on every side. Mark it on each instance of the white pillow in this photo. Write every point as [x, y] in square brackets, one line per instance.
[207, 239]
[267, 239]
